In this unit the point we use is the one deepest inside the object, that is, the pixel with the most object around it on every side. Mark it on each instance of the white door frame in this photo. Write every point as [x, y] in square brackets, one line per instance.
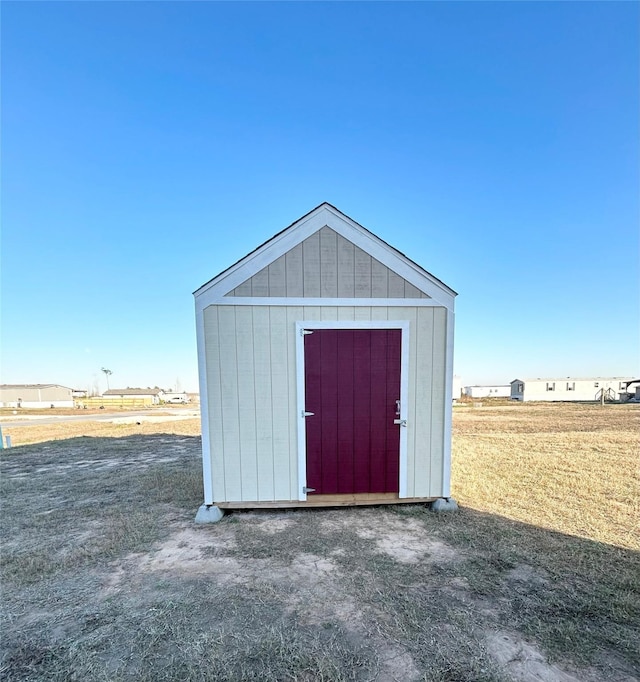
[404, 326]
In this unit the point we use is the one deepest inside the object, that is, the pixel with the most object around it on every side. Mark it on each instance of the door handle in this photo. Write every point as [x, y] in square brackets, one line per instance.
[400, 422]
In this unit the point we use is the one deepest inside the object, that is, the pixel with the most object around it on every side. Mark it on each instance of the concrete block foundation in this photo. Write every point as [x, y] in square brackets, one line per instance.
[444, 504]
[209, 514]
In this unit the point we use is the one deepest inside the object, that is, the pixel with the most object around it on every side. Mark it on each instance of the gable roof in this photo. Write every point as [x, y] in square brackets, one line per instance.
[325, 215]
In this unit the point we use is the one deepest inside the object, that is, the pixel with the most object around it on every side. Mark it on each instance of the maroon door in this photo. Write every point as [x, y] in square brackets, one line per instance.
[352, 383]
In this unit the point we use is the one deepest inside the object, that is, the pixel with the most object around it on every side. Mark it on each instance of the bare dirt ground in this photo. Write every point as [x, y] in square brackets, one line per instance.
[106, 577]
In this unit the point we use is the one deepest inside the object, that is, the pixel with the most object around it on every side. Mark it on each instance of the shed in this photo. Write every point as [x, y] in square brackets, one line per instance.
[326, 363]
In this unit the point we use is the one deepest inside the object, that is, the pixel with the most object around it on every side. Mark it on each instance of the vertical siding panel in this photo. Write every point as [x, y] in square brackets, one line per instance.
[379, 313]
[311, 265]
[346, 268]
[396, 285]
[277, 278]
[399, 313]
[216, 455]
[294, 314]
[263, 401]
[329, 313]
[328, 263]
[283, 404]
[346, 313]
[293, 270]
[362, 274]
[243, 289]
[423, 402]
[379, 280]
[229, 405]
[362, 313]
[310, 313]
[260, 283]
[246, 402]
[437, 399]
[410, 291]
[412, 316]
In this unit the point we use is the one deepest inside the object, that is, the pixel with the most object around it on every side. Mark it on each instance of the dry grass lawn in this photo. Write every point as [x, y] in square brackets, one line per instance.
[121, 427]
[105, 576]
[567, 467]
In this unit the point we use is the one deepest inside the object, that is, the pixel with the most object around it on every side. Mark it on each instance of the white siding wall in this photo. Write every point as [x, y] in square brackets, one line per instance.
[581, 389]
[251, 378]
[488, 391]
[36, 394]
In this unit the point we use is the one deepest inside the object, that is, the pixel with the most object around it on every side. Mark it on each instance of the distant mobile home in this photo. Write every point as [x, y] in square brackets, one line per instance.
[487, 391]
[569, 389]
[326, 363]
[35, 395]
[141, 396]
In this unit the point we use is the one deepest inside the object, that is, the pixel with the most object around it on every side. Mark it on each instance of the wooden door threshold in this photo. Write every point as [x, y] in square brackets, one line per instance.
[348, 500]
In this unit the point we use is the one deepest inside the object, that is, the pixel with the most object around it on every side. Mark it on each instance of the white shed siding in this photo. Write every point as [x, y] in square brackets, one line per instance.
[281, 347]
[294, 269]
[251, 375]
[326, 265]
[438, 403]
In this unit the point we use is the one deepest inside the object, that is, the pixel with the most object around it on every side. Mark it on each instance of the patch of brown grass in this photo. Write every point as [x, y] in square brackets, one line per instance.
[565, 467]
[40, 433]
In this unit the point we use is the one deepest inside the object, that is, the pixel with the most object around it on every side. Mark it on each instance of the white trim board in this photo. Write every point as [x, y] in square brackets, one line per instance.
[448, 405]
[326, 216]
[405, 327]
[204, 407]
[208, 299]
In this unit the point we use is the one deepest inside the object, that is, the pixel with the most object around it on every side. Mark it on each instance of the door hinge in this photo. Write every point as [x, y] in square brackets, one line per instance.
[306, 414]
[400, 422]
[305, 331]
[306, 490]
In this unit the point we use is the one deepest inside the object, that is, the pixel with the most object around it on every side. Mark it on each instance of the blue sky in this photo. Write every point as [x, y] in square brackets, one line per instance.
[147, 146]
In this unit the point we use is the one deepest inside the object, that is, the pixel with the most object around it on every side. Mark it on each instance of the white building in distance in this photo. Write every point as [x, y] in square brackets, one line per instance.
[146, 396]
[487, 391]
[569, 389]
[35, 395]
